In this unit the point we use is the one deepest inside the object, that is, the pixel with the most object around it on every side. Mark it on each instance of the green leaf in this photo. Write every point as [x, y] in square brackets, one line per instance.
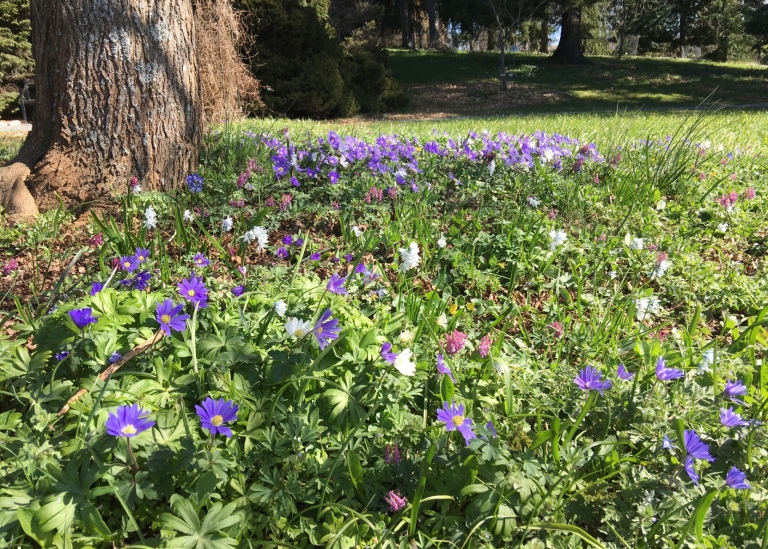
[93, 521]
[423, 471]
[356, 472]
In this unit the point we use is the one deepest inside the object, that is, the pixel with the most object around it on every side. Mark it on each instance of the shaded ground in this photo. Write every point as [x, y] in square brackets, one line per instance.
[466, 83]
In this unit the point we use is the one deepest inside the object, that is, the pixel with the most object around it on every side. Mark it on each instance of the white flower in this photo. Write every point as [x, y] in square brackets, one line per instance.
[226, 224]
[259, 234]
[548, 155]
[136, 189]
[533, 202]
[358, 232]
[406, 336]
[647, 306]
[442, 321]
[707, 360]
[409, 257]
[491, 167]
[280, 308]
[441, 243]
[557, 238]
[613, 275]
[636, 244]
[722, 228]
[661, 268]
[404, 364]
[298, 328]
[150, 218]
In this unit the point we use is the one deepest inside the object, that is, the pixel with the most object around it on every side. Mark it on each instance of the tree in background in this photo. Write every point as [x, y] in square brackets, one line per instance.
[570, 48]
[756, 24]
[15, 48]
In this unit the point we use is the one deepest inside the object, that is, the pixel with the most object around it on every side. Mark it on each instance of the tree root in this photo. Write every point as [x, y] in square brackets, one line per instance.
[15, 197]
[140, 348]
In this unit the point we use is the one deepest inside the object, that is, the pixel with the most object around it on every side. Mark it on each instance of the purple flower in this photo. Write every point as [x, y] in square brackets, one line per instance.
[392, 454]
[491, 429]
[590, 379]
[664, 373]
[142, 254]
[734, 389]
[336, 285]
[442, 368]
[194, 291]
[349, 257]
[315, 256]
[141, 280]
[386, 354]
[128, 422]
[485, 346]
[299, 242]
[326, 329]
[689, 468]
[736, 479]
[395, 502]
[667, 444]
[237, 291]
[115, 357]
[61, 355]
[96, 287]
[729, 418]
[214, 414]
[288, 240]
[453, 417]
[695, 447]
[282, 253]
[201, 261]
[195, 183]
[333, 177]
[169, 318]
[82, 317]
[624, 374]
[129, 263]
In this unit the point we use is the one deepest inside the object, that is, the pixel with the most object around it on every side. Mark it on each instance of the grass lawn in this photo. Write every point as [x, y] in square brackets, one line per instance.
[466, 83]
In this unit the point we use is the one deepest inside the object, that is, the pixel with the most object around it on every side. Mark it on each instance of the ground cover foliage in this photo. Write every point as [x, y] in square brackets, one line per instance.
[466, 340]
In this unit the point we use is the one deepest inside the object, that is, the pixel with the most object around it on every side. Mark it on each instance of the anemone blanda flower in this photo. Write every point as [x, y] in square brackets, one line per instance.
[169, 318]
[443, 368]
[201, 261]
[736, 479]
[453, 417]
[298, 328]
[326, 329]
[214, 414]
[663, 373]
[237, 291]
[128, 421]
[282, 252]
[556, 239]
[82, 317]
[691, 470]
[729, 418]
[404, 364]
[194, 291]
[695, 447]
[96, 287]
[623, 373]
[142, 254]
[734, 389]
[386, 353]
[129, 263]
[280, 308]
[590, 379]
[336, 285]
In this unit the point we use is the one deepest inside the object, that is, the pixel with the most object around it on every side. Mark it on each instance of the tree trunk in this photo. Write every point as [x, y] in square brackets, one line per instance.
[404, 14]
[492, 42]
[544, 36]
[117, 96]
[434, 29]
[569, 50]
[502, 61]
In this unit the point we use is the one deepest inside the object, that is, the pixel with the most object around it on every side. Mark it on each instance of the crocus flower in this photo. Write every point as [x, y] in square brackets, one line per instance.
[454, 342]
[142, 254]
[453, 417]
[214, 414]
[128, 421]
[169, 318]
[96, 287]
[664, 373]
[201, 261]
[392, 454]
[129, 263]
[82, 317]
[326, 329]
[386, 353]
[404, 364]
[336, 285]
[395, 502]
[237, 291]
[624, 374]
[736, 479]
[729, 418]
[485, 346]
[298, 328]
[590, 379]
[689, 468]
[194, 291]
[443, 368]
[695, 447]
[734, 389]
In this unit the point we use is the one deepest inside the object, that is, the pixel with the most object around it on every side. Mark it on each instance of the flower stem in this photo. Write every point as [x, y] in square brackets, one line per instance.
[584, 411]
[135, 465]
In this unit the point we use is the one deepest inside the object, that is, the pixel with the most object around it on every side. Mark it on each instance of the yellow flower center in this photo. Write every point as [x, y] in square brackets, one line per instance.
[128, 430]
[127, 264]
[165, 319]
[141, 258]
[458, 421]
[190, 293]
[299, 332]
[217, 420]
[319, 330]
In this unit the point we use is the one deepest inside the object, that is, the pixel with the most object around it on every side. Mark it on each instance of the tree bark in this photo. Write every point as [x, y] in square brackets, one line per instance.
[569, 50]
[117, 96]
[404, 14]
[434, 30]
[544, 36]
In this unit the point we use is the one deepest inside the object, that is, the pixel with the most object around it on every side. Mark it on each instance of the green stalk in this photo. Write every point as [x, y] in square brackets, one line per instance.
[591, 399]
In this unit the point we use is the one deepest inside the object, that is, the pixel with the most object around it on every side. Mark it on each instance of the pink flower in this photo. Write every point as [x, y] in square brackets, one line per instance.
[652, 247]
[9, 267]
[728, 201]
[557, 328]
[454, 342]
[749, 194]
[336, 205]
[96, 240]
[392, 454]
[271, 202]
[243, 178]
[552, 214]
[285, 201]
[597, 178]
[661, 257]
[732, 177]
[395, 502]
[485, 346]
[602, 238]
